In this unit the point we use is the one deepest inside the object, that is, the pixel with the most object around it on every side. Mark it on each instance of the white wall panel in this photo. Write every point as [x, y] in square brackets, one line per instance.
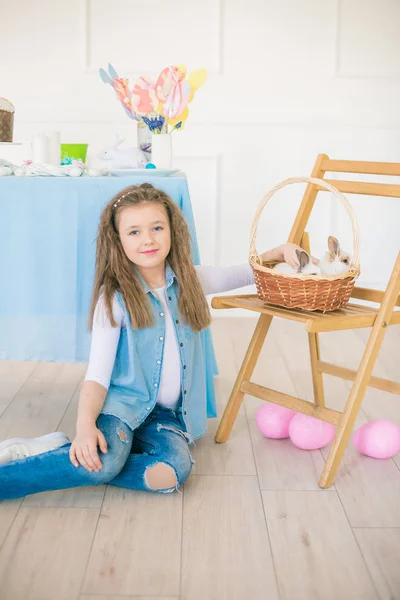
[368, 38]
[132, 35]
[203, 181]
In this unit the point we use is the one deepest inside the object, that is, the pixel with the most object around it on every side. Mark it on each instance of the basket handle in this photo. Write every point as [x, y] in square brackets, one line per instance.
[253, 255]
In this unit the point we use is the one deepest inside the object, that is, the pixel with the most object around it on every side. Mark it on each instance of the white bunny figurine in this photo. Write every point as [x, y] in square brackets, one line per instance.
[335, 261]
[306, 266]
[123, 158]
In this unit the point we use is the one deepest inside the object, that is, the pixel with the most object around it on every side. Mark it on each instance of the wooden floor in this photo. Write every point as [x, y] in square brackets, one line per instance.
[250, 523]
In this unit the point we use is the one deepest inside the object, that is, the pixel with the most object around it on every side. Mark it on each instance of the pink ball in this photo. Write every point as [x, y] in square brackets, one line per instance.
[378, 439]
[273, 420]
[309, 433]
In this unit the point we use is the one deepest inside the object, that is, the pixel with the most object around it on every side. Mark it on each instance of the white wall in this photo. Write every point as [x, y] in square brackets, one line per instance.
[287, 79]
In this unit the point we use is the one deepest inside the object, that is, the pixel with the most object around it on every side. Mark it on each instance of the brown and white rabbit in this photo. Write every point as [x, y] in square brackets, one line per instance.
[306, 266]
[335, 261]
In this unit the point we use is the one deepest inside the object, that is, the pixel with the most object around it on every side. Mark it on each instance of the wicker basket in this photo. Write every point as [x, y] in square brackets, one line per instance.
[308, 292]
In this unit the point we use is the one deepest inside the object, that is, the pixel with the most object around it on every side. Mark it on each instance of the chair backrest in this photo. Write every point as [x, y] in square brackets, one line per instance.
[323, 165]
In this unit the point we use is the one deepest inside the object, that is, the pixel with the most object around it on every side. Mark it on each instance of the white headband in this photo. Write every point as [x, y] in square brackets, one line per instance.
[119, 199]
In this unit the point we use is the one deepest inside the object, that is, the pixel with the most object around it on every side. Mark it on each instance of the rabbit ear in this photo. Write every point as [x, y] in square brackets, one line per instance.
[304, 259]
[118, 140]
[333, 245]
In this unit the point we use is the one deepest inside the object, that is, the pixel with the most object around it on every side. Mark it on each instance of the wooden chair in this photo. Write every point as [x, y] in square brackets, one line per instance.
[354, 316]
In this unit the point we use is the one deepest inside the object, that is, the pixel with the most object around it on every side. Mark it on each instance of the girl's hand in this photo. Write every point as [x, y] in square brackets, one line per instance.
[83, 449]
[287, 253]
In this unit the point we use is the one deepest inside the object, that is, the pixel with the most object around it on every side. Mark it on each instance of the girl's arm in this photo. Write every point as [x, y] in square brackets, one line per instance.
[284, 253]
[91, 400]
[93, 393]
[83, 450]
[222, 279]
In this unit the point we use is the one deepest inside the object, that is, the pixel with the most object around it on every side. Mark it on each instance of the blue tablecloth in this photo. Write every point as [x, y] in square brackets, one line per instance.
[48, 228]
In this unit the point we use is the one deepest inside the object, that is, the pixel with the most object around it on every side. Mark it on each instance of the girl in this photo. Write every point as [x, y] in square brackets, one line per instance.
[143, 399]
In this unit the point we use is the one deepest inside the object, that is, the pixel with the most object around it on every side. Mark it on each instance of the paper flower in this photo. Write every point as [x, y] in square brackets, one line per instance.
[123, 92]
[162, 104]
[121, 87]
[144, 97]
[175, 92]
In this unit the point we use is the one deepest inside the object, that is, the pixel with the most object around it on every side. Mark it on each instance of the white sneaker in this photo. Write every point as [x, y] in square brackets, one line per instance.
[17, 448]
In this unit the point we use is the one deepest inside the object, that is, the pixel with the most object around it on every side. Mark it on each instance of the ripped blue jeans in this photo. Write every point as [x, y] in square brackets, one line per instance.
[159, 439]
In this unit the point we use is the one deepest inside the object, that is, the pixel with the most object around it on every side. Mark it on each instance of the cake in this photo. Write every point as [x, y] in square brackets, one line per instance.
[6, 120]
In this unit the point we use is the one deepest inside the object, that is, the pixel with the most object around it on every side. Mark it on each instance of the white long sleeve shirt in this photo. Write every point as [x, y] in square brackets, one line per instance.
[105, 337]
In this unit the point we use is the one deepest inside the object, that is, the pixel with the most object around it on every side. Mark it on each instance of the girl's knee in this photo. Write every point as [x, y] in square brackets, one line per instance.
[168, 476]
[184, 466]
[160, 476]
[112, 464]
[119, 442]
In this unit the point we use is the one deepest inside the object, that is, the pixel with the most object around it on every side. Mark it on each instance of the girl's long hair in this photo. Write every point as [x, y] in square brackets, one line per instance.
[115, 272]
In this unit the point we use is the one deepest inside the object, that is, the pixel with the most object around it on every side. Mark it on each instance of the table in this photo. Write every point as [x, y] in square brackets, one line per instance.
[48, 228]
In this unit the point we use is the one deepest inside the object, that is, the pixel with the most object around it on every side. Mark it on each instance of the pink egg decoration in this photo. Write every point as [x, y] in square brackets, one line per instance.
[378, 439]
[309, 433]
[273, 420]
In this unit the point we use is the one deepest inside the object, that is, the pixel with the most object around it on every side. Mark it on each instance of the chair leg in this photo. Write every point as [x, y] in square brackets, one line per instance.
[350, 413]
[246, 371]
[362, 379]
[318, 383]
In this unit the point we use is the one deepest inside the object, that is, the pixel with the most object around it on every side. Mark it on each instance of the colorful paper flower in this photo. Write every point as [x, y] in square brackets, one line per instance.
[121, 87]
[144, 97]
[162, 104]
[173, 91]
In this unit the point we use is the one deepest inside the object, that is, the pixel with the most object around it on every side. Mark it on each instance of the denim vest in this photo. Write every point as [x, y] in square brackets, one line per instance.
[136, 375]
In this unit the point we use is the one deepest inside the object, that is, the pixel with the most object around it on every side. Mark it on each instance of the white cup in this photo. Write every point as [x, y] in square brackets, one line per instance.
[40, 149]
